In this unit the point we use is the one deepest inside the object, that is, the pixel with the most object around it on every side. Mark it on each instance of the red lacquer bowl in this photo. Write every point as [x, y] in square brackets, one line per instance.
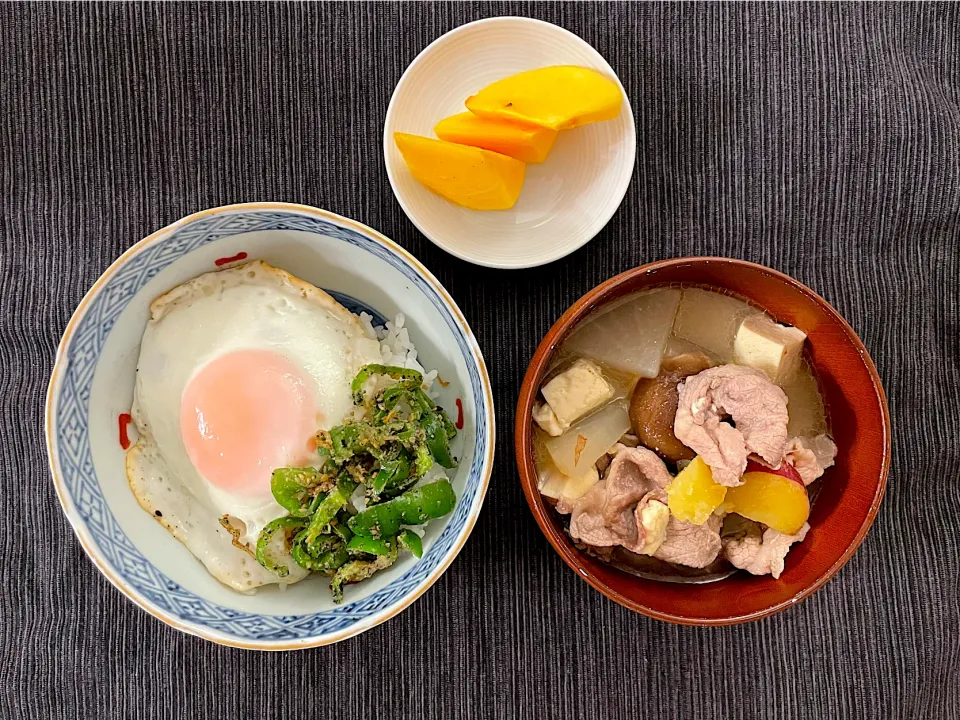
[851, 491]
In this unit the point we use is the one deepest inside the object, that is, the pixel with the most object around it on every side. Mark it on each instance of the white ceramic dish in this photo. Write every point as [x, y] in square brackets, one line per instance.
[565, 201]
[92, 384]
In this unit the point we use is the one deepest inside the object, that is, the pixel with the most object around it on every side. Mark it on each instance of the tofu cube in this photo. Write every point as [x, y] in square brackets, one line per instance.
[771, 347]
[545, 417]
[576, 391]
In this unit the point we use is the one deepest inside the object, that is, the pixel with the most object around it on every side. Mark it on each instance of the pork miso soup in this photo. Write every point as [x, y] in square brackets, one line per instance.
[681, 433]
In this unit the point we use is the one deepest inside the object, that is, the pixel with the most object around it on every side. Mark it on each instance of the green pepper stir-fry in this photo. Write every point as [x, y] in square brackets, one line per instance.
[402, 434]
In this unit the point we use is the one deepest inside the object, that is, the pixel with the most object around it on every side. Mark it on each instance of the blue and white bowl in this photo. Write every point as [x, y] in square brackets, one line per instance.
[92, 385]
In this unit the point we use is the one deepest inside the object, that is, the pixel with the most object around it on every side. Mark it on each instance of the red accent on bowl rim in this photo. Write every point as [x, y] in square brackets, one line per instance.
[220, 262]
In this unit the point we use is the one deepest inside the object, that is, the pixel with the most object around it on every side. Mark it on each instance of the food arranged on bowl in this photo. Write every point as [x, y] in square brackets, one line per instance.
[280, 434]
[479, 161]
[681, 433]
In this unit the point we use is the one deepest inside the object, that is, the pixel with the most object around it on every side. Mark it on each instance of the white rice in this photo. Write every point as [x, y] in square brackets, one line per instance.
[396, 347]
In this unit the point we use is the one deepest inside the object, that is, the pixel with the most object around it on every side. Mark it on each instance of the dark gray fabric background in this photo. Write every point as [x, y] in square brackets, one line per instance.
[823, 140]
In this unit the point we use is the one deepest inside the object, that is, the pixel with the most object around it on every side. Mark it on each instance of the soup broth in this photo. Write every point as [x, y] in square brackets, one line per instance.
[681, 433]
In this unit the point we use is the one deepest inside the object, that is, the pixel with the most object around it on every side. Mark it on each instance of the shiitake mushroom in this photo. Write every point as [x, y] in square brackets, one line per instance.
[653, 405]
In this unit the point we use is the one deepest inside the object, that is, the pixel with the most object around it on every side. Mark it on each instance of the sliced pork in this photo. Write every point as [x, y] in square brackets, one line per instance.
[810, 456]
[692, 545]
[760, 554]
[606, 515]
[653, 518]
[745, 395]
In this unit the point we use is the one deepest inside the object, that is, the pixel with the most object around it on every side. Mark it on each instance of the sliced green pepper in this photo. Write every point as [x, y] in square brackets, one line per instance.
[412, 439]
[415, 398]
[437, 439]
[409, 540]
[358, 570]
[295, 489]
[392, 492]
[413, 507]
[423, 461]
[318, 555]
[423, 402]
[362, 438]
[332, 504]
[361, 544]
[392, 473]
[301, 557]
[326, 463]
[354, 439]
[273, 544]
[326, 562]
[388, 399]
[406, 433]
[333, 559]
[397, 373]
[450, 426]
[340, 528]
[345, 441]
[316, 546]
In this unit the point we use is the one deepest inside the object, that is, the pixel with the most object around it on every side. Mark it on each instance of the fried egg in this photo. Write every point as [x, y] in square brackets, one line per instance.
[238, 370]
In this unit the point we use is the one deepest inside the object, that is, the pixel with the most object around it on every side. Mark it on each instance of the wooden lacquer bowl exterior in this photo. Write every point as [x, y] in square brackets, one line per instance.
[852, 489]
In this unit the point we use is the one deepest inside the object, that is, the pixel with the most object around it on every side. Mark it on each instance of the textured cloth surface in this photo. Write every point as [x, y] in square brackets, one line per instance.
[822, 140]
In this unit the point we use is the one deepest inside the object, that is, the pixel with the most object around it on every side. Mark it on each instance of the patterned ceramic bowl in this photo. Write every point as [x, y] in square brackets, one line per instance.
[566, 200]
[92, 386]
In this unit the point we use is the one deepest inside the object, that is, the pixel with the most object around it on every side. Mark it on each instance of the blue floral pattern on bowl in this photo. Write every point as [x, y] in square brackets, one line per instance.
[73, 449]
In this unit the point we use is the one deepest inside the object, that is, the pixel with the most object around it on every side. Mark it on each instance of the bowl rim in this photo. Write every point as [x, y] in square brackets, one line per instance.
[79, 525]
[602, 64]
[524, 455]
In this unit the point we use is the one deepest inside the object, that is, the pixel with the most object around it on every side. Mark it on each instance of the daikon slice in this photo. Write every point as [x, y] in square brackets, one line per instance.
[578, 448]
[579, 486]
[630, 334]
[554, 484]
[678, 346]
[711, 320]
[550, 481]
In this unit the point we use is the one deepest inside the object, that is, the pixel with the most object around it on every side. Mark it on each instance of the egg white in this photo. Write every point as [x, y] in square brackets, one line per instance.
[253, 306]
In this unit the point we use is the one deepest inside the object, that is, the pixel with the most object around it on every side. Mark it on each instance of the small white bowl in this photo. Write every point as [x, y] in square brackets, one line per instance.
[93, 380]
[565, 201]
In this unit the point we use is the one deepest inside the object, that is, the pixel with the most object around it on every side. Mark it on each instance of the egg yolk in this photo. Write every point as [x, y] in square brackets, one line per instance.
[242, 415]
